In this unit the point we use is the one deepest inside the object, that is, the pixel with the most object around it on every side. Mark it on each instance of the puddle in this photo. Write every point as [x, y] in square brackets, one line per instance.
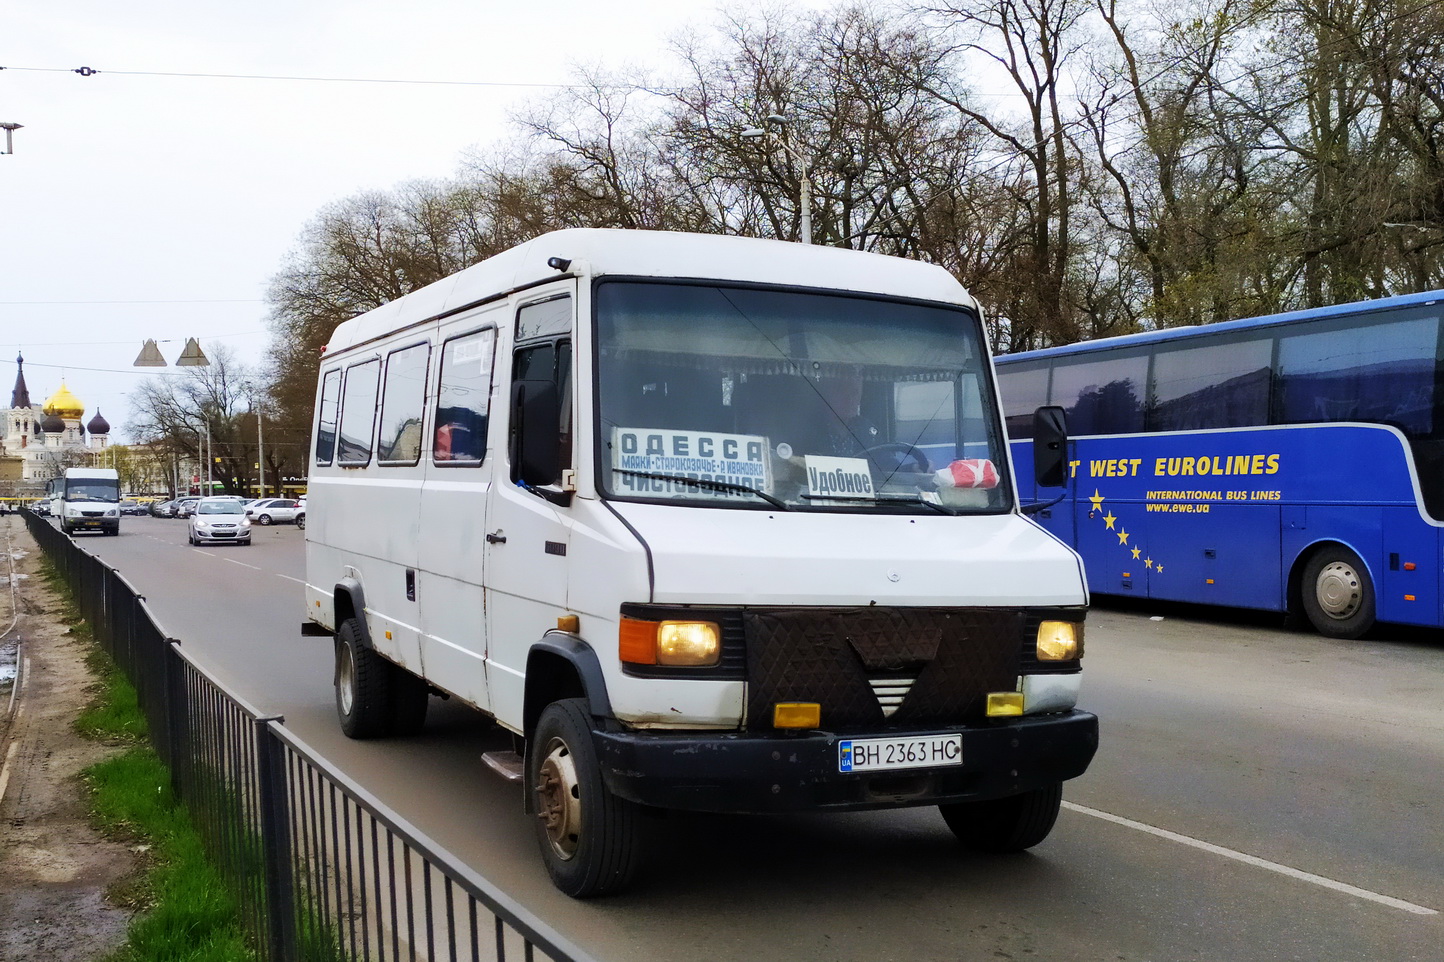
[8, 663]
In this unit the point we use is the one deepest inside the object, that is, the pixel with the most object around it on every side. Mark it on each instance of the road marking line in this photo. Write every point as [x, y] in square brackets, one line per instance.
[206, 553]
[289, 578]
[242, 564]
[1255, 861]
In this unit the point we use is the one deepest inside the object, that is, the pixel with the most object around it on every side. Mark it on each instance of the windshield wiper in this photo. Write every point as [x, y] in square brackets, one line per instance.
[708, 484]
[881, 499]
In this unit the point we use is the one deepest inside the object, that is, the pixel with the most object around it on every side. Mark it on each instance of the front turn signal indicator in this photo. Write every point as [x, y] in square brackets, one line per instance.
[797, 714]
[1002, 704]
[683, 644]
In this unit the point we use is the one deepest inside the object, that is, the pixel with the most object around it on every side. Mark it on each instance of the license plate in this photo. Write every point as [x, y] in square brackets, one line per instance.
[891, 754]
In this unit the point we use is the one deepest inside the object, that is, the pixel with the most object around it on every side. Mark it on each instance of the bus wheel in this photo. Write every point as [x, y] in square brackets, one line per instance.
[362, 685]
[589, 837]
[1009, 824]
[1337, 593]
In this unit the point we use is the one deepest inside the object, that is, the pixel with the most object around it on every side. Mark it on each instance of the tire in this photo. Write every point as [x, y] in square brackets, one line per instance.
[410, 697]
[1337, 593]
[301, 521]
[1009, 824]
[590, 839]
[363, 686]
[264, 519]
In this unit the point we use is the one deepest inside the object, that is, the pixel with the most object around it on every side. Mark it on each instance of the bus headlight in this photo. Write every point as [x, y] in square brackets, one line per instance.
[692, 644]
[1060, 641]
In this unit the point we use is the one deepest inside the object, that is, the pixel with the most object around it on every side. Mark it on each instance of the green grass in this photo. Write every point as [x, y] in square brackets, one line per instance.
[184, 912]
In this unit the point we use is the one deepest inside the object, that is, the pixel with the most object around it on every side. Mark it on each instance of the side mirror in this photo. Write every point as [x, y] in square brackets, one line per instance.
[1050, 446]
[535, 442]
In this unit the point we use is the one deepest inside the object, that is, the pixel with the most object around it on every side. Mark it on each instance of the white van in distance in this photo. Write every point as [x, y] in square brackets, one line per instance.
[87, 499]
[710, 523]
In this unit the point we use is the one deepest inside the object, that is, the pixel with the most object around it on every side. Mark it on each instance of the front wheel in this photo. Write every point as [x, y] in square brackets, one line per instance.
[1338, 594]
[1009, 824]
[590, 838]
[264, 519]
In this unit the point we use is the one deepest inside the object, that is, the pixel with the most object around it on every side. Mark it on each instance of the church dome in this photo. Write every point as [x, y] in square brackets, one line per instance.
[53, 425]
[63, 404]
[98, 424]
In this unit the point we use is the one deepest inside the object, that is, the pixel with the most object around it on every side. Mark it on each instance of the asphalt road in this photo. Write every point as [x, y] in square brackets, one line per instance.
[1258, 794]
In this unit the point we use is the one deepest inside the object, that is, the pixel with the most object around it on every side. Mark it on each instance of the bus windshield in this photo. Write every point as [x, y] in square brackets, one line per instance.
[744, 397]
[92, 489]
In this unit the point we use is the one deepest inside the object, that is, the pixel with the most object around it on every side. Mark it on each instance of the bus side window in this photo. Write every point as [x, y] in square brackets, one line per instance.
[402, 399]
[358, 412]
[326, 418]
[463, 399]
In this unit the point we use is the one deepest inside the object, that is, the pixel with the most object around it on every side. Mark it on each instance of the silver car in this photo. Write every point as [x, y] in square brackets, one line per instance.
[218, 520]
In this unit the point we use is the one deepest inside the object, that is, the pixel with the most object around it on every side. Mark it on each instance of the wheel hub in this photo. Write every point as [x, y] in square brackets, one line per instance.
[346, 679]
[1338, 590]
[559, 802]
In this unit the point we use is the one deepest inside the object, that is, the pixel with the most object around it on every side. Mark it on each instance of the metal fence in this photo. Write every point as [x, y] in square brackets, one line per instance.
[320, 869]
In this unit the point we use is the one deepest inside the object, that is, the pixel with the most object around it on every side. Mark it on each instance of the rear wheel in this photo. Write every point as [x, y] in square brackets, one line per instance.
[1338, 594]
[1009, 824]
[363, 685]
[590, 838]
[410, 697]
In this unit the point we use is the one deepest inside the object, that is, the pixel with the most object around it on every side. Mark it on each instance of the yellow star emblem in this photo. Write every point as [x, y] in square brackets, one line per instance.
[1123, 537]
[1108, 519]
[1159, 569]
[1097, 500]
[1137, 552]
[1148, 562]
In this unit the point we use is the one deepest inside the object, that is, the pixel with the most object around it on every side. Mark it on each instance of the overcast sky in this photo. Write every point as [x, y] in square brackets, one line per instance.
[141, 206]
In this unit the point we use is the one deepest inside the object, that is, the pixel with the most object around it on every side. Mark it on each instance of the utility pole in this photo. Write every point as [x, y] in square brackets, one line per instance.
[260, 457]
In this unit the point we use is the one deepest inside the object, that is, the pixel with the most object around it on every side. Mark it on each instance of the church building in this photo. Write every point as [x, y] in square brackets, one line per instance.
[49, 438]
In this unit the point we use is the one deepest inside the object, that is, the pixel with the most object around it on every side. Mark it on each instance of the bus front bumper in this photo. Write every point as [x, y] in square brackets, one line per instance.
[751, 772]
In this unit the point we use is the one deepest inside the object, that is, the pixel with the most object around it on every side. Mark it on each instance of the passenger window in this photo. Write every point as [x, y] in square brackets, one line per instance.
[358, 412]
[1022, 390]
[1361, 372]
[1103, 396]
[551, 361]
[326, 421]
[464, 399]
[1218, 385]
[402, 401]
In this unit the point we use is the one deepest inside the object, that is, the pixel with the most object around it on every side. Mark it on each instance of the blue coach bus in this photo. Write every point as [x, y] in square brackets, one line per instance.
[1290, 463]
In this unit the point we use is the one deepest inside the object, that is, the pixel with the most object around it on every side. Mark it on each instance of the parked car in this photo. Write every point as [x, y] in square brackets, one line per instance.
[270, 510]
[217, 520]
[163, 509]
[42, 507]
[127, 506]
[185, 507]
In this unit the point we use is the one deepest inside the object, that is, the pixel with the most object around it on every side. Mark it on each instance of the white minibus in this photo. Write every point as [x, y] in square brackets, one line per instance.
[708, 523]
[87, 499]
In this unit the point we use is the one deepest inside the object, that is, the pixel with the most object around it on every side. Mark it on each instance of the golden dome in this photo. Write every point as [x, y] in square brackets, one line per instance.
[63, 404]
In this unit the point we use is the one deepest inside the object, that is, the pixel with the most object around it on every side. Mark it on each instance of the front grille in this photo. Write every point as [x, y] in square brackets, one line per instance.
[856, 662]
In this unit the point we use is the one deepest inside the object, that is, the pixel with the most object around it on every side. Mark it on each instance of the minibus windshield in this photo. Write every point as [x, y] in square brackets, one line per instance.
[92, 489]
[760, 398]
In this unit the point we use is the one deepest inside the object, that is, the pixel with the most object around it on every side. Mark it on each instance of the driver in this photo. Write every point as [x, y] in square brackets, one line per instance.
[848, 434]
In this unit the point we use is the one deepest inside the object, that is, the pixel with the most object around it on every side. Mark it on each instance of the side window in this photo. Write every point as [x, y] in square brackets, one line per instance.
[326, 419]
[1022, 389]
[1361, 372]
[549, 359]
[1219, 384]
[1102, 395]
[545, 318]
[402, 400]
[464, 399]
[358, 412]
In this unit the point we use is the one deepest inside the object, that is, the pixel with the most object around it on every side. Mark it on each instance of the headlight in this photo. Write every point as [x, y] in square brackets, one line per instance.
[692, 644]
[113, 513]
[1060, 641]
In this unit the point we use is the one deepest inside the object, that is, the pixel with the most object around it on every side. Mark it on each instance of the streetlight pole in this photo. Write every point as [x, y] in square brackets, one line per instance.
[260, 457]
[805, 210]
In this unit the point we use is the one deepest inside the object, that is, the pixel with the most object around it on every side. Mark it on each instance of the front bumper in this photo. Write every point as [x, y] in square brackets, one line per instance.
[748, 772]
[223, 537]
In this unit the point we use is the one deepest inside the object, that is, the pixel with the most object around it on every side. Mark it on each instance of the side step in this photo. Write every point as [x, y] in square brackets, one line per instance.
[506, 764]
